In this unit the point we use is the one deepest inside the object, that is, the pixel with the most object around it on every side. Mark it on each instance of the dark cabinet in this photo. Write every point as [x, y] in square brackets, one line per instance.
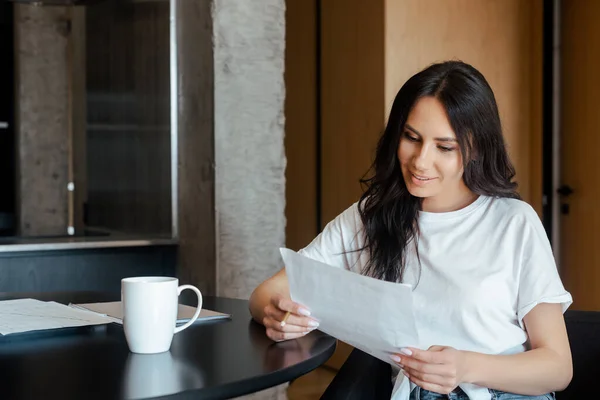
[7, 131]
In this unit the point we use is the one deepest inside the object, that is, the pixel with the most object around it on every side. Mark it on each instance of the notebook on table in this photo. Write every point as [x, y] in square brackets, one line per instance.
[114, 311]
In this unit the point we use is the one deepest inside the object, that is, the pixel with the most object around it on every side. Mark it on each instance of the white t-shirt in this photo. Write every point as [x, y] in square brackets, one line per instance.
[483, 268]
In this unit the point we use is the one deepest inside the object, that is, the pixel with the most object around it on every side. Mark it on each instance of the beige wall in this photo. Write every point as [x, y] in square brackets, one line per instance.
[501, 38]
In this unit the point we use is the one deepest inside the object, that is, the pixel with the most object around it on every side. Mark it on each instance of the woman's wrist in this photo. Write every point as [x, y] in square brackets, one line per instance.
[472, 363]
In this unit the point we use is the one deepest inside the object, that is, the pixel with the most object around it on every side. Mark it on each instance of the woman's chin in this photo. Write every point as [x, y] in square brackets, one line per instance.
[418, 191]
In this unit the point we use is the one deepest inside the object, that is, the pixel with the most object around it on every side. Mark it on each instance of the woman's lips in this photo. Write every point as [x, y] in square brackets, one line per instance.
[420, 180]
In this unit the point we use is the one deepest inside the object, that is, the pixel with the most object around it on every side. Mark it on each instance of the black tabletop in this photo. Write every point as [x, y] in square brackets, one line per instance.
[209, 360]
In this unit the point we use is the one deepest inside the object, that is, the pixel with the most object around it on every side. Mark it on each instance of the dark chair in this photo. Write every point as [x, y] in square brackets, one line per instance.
[361, 377]
[365, 377]
[583, 328]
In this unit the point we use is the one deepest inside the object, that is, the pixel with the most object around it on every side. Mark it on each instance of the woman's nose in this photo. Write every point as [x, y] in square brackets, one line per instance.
[422, 158]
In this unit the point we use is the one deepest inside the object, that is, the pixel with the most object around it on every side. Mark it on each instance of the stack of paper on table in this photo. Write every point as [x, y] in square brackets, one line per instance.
[372, 315]
[24, 315]
[114, 311]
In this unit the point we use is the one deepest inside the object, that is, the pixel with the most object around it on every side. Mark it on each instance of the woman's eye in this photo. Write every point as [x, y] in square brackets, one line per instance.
[445, 149]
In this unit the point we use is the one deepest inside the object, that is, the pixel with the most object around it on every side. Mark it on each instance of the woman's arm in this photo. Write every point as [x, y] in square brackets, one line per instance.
[261, 296]
[547, 367]
[269, 304]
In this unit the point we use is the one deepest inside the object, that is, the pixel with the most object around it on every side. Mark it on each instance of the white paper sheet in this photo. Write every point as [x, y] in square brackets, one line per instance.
[23, 315]
[372, 315]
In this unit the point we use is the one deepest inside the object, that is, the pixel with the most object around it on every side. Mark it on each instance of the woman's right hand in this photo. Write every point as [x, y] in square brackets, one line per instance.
[297, 324]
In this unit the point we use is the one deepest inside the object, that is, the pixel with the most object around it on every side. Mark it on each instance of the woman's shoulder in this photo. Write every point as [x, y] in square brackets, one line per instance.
[349, 218]
[513, 209]
[352, 210]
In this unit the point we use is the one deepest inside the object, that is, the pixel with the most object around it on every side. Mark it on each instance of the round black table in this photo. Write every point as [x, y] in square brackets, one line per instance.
[209, 360]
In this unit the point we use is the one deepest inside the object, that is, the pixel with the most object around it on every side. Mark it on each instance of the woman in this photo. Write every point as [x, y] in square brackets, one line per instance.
[441, 212]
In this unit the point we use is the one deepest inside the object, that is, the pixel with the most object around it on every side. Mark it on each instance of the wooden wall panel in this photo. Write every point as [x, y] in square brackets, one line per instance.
[536, 44]
[301, 122]
[353, 83]
[580, 63]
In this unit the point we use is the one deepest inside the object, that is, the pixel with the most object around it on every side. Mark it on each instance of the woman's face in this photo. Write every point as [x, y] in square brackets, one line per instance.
[431, 159]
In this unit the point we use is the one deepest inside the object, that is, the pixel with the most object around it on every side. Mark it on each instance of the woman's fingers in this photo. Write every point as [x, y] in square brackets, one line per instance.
[275, 324]
[298, 314]
[297, 323]
[285, 304]
[279, 336]
[293, 319]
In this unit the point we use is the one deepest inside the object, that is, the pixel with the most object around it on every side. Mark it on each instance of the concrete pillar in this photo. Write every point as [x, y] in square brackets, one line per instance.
[249, 47]
[49, 115]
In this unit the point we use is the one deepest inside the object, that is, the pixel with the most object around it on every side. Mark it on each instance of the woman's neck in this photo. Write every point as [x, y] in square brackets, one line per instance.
[440, 204]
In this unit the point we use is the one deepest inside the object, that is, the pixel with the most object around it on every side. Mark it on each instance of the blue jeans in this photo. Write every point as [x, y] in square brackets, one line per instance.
[458, 394]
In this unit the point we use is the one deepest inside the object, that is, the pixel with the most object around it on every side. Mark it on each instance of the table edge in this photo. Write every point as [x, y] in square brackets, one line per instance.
[257, 384]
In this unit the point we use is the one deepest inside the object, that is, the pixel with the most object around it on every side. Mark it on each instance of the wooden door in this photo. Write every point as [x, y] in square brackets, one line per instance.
[580, 140]
[301, 123]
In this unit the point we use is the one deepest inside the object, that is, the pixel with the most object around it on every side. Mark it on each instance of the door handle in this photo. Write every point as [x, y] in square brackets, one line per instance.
[565, 190]
[3, 125]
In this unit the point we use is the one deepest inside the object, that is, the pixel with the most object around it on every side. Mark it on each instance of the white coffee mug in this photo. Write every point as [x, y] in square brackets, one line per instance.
[150, 312]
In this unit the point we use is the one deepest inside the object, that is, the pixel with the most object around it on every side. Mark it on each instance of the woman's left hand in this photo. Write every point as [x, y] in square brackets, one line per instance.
[438, 369]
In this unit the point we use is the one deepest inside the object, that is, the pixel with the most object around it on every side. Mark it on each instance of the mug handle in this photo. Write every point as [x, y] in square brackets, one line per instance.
[198, 309]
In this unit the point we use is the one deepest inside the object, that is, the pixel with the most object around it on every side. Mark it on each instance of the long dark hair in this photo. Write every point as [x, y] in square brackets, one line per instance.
[388, 211]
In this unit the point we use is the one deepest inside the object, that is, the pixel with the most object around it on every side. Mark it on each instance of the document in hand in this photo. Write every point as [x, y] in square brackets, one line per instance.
[372, 315]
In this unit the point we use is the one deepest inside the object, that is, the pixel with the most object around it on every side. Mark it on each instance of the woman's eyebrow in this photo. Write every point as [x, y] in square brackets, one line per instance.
[410, 128]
